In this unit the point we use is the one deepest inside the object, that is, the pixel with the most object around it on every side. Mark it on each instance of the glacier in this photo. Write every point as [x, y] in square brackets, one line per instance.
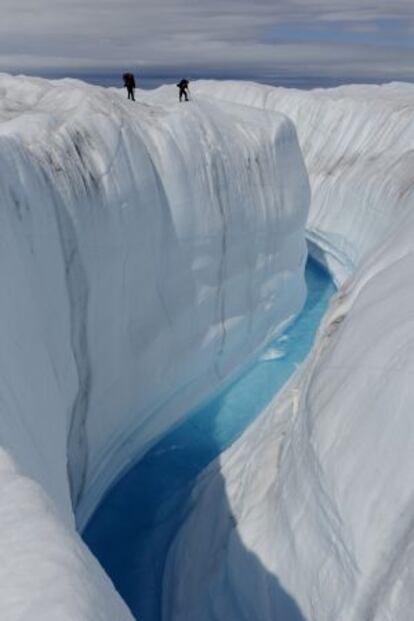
[149, 251]
[316, 499]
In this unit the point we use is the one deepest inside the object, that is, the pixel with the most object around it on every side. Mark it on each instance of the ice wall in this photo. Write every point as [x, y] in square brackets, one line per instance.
[147, 251]
[313, 510]
[357, 143]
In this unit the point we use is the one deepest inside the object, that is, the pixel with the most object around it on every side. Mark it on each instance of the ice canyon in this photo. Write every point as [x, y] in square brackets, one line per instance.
[149, 254]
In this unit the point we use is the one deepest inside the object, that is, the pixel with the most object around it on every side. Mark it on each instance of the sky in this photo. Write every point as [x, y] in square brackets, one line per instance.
[368, 40]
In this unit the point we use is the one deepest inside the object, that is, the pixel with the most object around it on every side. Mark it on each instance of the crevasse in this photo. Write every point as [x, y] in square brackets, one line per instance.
[133, 527]
[330, 517]
[316, 499]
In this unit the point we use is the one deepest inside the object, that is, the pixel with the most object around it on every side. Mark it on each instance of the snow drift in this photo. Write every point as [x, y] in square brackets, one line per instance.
[313, 507]
[147, 252]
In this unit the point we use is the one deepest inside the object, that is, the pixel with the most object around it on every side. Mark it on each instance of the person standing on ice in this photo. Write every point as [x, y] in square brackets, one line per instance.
[184, 92]
[129, 83]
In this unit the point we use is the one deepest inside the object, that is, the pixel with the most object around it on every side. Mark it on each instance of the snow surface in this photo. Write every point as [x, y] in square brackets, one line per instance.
[310, 515]
[147, 252]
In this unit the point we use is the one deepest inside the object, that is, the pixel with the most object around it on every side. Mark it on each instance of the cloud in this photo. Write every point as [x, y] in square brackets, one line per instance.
[360, 38]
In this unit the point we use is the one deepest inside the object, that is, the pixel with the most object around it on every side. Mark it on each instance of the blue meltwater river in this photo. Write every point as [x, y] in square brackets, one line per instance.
[132, 529]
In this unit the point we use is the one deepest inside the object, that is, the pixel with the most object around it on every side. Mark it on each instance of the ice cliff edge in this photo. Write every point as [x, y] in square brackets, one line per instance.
[147, 251]
[357, 145]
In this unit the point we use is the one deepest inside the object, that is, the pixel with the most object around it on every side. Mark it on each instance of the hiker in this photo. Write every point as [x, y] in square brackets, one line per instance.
[183, 86]
[129, 83]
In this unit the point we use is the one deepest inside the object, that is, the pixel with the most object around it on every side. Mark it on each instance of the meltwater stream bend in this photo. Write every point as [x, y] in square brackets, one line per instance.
[131, 530]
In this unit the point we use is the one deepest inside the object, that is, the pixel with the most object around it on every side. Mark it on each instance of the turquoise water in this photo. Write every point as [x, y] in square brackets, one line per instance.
[131, 530]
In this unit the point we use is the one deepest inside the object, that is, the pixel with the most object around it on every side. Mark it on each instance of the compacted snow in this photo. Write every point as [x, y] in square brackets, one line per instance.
[148, 251]
[310, 515]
